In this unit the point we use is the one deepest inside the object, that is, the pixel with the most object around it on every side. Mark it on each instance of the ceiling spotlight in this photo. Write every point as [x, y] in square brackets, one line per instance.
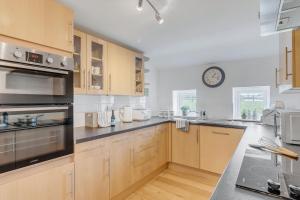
[139, 7]
[158, 18]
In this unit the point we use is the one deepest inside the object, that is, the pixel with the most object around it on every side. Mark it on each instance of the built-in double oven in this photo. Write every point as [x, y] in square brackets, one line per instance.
[36, 106]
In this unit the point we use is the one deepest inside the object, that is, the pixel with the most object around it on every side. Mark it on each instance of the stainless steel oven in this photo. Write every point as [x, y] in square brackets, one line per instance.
[28, 76]
[36, 106]
[32, 134]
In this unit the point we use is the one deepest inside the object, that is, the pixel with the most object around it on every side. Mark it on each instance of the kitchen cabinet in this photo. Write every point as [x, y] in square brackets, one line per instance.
[44, 22]
[92, 171]
[217, 146]
[121, 63]
[96, 65]
[121, 153]
[288, 74]
[185, 146]
[145, 151]
[56, 183]
[163, 144]
[8, 191]
[80, 62]
[139, 74]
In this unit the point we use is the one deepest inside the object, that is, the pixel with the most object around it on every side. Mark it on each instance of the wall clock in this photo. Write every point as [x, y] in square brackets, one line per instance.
[213, 77]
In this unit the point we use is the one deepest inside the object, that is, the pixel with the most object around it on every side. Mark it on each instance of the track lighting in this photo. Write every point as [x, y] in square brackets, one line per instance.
[139, 7]
[158, 17]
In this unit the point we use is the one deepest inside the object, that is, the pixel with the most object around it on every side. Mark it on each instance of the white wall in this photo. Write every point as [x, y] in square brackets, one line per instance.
[218, 101]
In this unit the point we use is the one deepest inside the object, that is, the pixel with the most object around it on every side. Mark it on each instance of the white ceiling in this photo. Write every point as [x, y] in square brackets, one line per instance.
[195, 32]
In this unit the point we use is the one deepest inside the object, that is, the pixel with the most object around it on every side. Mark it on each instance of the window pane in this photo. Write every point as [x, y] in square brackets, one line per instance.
[184, 98]
[249, 102]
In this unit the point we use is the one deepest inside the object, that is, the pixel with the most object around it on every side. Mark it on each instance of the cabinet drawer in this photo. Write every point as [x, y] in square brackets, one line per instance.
[144, 140]
[142, 157]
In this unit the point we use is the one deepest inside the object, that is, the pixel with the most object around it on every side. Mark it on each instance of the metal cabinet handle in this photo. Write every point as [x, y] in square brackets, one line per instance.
[220, 133]
[71, 186]
[287, 63]
[89, 78]
[197, 136]
[276, 77]
[109, 82]
[83, 79]
[70, 31]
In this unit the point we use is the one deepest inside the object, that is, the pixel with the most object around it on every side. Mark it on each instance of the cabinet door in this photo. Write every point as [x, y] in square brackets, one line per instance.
[285, 58]
[217, 147]
[145, 150]
[79, 56]
[58, 26]
[92, 174]
[139, 74]
[8, 191]
[185, 146]
[96, 65]
[163, 144]
[44, 22]
[23, 19]
[121, 67]
[56, 183]
[120, 165]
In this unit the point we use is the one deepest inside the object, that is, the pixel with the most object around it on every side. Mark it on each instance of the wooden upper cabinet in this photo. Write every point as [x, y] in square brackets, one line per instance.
[185, 146]
[80, 62]
[289, 60]
[44, 22]
[96, 65]
[92, 172]
[120, 72]
[139, 74]
[217, 146]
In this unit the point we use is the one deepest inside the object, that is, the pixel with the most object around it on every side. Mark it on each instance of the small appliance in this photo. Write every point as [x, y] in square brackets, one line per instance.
[91, 120]
[126, 114]
[141, 114]
[290, 126]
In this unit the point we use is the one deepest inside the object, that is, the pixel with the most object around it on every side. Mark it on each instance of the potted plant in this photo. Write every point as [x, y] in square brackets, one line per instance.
[184, 110]
[244, 115]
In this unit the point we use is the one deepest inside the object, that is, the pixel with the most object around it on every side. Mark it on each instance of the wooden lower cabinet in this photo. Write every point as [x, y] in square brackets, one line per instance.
[121, 153]
[217, 146]
[163, 137]
[40, 183]
[185, 146]
[92, 172]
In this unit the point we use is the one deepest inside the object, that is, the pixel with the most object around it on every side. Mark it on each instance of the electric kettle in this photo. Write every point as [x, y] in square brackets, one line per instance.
[126, 114]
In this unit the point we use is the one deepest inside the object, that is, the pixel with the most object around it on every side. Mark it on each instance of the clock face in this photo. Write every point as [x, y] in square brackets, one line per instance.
[213, 77]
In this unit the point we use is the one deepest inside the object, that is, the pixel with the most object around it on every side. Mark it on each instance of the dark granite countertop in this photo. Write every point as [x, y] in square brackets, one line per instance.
[226, 189]
[85, 134]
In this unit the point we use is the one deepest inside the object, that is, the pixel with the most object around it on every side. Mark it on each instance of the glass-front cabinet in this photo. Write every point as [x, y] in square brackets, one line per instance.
[79, 56]
[139, 75]
[96, 65]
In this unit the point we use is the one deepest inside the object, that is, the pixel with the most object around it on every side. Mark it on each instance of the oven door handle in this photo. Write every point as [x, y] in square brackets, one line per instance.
[30, 67]
[21, 109]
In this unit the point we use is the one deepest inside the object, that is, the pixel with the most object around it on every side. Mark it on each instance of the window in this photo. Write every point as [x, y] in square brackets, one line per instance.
[184, 98]
[249, 102]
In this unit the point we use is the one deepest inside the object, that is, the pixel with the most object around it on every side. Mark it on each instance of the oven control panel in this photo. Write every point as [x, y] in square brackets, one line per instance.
[13, 53]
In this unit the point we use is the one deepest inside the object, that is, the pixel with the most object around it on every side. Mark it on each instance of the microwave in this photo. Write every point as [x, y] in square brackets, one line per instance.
[290, 126]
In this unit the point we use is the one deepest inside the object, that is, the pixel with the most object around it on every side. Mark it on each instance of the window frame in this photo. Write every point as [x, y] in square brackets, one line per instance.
[176, 105]
[236, 91]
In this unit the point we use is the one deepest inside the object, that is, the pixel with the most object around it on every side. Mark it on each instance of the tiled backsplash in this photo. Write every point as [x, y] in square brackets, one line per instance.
[92, 103]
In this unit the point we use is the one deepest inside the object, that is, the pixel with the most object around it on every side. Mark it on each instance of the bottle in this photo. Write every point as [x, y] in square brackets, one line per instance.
[5, 118]
[113, 119]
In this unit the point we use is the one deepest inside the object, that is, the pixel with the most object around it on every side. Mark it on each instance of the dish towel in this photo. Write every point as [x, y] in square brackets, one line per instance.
[182, 124]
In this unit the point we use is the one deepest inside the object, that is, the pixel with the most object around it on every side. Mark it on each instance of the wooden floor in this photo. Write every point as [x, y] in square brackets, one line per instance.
[177, 185]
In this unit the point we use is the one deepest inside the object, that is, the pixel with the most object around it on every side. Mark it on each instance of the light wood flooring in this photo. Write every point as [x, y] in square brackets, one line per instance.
[177, 185]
